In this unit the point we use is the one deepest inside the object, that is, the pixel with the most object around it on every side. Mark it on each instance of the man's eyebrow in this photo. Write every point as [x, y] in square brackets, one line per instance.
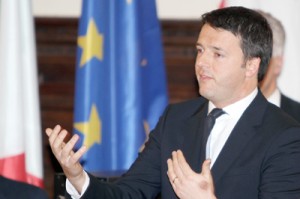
[211, 47]
[199, 45]
[217, 48]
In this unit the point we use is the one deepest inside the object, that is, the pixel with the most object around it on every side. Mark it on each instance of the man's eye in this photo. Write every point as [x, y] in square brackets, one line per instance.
[200, 50]
[218, 55]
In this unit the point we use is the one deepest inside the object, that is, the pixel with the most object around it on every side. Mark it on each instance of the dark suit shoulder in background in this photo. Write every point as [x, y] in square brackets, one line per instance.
[291, 107]
[10, 189]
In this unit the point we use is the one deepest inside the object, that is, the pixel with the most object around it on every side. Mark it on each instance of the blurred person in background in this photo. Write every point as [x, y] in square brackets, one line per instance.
[269, 85]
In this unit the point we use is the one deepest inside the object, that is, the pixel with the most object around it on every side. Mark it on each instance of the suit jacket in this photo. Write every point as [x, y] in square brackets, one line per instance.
[10, 189]
[290, 106]
[261, 158]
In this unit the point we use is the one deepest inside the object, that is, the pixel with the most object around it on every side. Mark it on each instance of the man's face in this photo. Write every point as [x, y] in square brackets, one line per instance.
[220, 67]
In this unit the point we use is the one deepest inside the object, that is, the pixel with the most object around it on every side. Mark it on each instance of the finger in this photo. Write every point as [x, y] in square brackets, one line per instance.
[172, 176]
[177, 169]
[68, 147]
[186, 169]
[48, 131]
[76, 156]
[58, 143]
[53, 133]
[170, 173]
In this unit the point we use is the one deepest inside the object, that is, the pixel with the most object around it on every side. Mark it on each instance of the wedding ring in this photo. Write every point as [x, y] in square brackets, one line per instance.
[174, 179]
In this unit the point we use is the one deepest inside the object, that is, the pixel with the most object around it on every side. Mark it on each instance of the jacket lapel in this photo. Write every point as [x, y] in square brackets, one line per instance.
[193, 132]
[240, 135]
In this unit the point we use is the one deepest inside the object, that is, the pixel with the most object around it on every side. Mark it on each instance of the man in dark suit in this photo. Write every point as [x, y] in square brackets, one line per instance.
[268, 85]
[11, 189]
[252, 151]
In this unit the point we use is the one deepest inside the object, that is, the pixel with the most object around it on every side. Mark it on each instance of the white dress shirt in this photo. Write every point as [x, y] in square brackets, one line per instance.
[275, 97]
[73, 192]
[224, 125]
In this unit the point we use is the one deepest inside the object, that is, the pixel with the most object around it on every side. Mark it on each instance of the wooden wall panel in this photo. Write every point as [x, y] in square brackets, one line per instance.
[56, 50]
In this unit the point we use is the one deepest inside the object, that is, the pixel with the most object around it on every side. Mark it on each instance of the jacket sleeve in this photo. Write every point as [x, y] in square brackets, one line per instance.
[281, 168]
[142, 180]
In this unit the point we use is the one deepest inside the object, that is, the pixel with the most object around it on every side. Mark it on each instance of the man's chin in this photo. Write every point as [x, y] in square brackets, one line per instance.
[205, 93]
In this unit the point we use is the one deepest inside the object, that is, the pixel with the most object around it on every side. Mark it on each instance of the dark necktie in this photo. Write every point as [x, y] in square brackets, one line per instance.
[208, 125]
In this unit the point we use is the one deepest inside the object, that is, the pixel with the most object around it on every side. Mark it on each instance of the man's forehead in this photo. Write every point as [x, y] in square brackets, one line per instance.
[207, 26]
[217, 35]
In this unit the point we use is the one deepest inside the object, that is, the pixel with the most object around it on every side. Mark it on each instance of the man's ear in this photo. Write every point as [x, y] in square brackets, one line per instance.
[252, 67]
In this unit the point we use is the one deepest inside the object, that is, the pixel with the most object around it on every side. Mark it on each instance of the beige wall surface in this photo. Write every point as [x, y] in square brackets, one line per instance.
[167, 9]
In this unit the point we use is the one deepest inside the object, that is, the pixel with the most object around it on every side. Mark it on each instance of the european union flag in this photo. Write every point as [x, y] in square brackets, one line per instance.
[120, 81]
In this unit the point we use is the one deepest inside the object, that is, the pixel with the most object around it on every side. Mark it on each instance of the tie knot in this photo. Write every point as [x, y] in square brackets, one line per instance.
[216, 112]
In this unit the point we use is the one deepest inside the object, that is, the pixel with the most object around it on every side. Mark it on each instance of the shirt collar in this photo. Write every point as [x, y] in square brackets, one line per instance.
[236, 109]
[275, 98]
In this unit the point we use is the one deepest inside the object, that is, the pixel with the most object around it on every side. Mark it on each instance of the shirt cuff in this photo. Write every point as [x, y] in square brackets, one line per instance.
[73, 192]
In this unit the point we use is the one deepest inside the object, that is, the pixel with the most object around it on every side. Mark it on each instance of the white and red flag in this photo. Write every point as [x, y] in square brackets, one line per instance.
[20, 125]
[288, 13]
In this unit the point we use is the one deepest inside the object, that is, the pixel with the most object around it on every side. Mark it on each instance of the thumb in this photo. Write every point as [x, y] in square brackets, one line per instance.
[207, 175]
[206, 169]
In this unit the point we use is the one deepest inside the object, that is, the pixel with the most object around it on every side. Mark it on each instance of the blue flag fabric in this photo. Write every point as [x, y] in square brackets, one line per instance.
[120, 81]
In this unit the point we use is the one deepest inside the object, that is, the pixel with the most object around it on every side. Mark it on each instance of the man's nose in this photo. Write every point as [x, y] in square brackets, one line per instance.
[202, 60]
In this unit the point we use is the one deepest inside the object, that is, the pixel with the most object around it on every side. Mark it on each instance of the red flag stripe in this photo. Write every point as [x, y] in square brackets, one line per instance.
[13, 167]
[222, 4]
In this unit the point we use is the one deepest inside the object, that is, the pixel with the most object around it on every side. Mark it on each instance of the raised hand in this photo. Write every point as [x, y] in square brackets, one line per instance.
[67, 158]
[188, 184]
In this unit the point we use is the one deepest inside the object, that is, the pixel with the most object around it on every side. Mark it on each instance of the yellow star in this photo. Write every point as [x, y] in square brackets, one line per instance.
[91, 44]
[90, 129]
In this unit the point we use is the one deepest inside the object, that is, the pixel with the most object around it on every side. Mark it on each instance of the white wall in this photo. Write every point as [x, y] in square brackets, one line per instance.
[184, 9]
[167, 9]
[287, 11]
[56, 8]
